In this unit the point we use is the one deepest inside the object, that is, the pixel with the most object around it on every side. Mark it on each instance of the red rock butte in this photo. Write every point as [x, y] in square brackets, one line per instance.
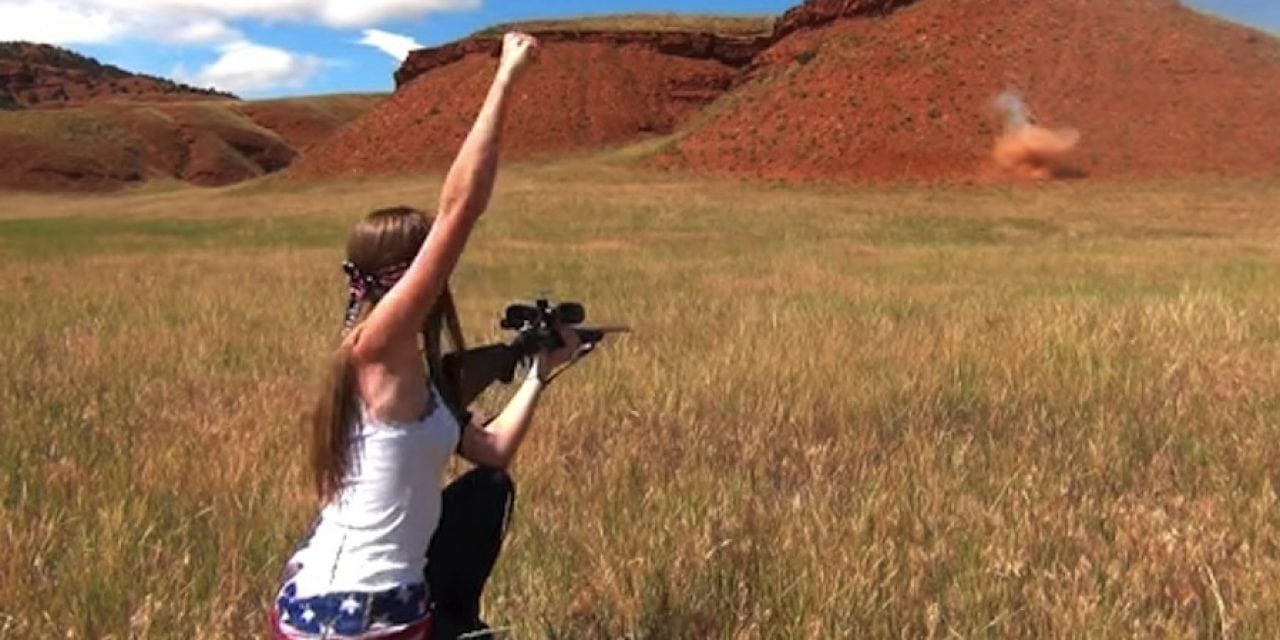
[590, 89]
[859, 91]
[902, 91]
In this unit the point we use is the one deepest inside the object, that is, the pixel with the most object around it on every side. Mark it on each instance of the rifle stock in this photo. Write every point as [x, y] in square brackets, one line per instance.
[469, 373]
[472, 371]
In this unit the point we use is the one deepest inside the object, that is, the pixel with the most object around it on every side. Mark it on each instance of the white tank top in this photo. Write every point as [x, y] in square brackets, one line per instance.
[373, 536]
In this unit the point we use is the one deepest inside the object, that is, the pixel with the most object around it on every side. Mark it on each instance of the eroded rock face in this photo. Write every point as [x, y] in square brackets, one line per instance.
[733, 51]
[590, 90]
[815, 13]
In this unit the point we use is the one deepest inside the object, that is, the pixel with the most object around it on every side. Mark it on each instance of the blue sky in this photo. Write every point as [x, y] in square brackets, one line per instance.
[262, 48]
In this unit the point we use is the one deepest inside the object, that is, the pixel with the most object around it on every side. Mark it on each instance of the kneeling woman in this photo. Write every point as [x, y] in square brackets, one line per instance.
[392, 556]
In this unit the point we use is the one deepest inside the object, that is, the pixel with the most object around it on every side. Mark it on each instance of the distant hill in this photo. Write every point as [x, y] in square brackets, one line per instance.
[601, 81]
[892, 90]
[832, 90]
[40, 76]
[69, 122]
[857, 91]
[105, 146]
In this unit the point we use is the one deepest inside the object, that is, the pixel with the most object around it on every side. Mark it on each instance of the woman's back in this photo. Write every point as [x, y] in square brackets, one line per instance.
[373, 536]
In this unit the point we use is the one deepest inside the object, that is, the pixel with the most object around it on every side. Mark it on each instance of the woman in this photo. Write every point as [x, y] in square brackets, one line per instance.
[391, 556]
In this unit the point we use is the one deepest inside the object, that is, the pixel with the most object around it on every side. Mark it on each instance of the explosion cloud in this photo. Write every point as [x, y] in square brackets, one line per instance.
[1025, 149]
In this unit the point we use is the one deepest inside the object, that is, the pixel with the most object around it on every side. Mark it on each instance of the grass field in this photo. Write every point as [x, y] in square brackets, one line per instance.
[908, 413]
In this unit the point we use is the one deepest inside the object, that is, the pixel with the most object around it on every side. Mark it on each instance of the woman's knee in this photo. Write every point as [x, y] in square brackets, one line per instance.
[489, 481]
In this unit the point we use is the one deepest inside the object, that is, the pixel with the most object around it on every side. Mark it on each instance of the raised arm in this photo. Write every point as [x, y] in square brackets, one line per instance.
[464, 197]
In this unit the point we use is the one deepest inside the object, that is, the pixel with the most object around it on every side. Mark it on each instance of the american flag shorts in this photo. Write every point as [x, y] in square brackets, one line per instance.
[396, 613]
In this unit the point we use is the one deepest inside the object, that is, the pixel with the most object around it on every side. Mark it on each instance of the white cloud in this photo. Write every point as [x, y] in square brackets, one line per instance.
[392, 44]
[95, 21]
[335, 13]
[242, 66]
[361, 13]
[203, 30]
[58, 23]
[246, 67]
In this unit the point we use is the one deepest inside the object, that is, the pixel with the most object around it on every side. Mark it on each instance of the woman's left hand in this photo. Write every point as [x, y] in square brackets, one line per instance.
[550, 361]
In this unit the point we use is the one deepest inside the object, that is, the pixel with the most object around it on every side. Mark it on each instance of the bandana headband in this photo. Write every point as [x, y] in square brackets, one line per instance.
[368, 286]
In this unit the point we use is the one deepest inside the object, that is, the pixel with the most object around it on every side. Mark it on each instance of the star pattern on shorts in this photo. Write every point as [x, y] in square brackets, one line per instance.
[350, 606]
[350, 614]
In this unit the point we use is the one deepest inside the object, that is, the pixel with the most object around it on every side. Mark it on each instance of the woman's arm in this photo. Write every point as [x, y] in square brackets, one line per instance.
[495, 444]
[463, 198]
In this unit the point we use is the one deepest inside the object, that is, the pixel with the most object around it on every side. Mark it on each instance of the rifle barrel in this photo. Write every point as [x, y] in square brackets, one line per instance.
[596, 334]
[609, 329]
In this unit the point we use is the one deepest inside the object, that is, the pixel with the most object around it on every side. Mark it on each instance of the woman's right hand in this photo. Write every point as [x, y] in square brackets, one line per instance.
[518, 50]
[548, 362]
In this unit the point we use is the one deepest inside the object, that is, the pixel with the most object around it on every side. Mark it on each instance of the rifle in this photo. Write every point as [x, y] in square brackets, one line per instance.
[469, 373]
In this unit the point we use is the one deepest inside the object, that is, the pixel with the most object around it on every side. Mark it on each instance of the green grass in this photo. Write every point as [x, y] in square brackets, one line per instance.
[55, 123]
[973, 412]
[45, 236]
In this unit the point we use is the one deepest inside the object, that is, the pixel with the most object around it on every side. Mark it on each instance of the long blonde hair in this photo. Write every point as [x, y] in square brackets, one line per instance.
[378, 249]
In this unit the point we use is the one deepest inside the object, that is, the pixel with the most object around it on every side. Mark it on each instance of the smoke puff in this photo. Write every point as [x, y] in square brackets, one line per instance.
[1014, 109]
[1035, 152]
[1028, 150]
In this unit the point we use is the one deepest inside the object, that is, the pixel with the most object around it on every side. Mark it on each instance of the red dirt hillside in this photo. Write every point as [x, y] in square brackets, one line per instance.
[69, 122]
[38, 75]
[902, 90]
[210, 143]
[597, 84]
[306, 122]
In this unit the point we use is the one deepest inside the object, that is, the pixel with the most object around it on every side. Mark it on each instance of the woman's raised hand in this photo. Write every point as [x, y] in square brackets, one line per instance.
[550, 361]
[518, 50]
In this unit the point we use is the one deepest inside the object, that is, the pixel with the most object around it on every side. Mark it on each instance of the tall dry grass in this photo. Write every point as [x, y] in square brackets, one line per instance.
[910, 413]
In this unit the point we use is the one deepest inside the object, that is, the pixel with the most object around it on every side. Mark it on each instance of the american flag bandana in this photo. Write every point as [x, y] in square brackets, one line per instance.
[368, 286]
[349, 616]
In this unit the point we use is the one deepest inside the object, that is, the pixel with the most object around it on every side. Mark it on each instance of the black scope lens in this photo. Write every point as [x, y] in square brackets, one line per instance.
[570, 313]
[518, 315]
